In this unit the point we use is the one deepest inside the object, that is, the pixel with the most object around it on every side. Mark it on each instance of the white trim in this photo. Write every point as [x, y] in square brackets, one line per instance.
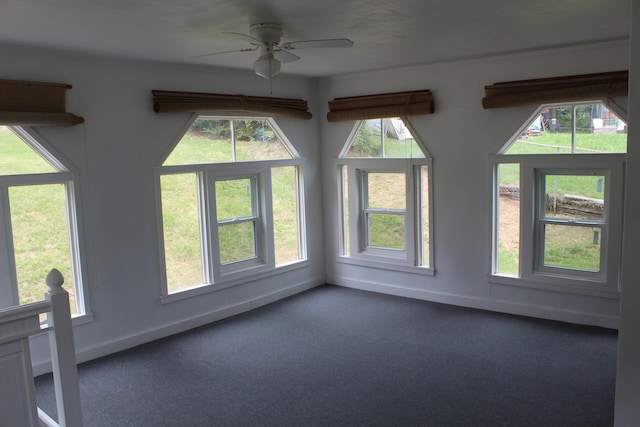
[386, 264]
[251, 276]
[551, 313]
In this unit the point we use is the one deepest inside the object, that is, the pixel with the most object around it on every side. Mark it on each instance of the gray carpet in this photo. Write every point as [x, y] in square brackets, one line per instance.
[334, 356]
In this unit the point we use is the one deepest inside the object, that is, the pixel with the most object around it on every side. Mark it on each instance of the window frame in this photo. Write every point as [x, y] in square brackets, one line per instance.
[69, 179]
[261, 205]
[357, 253]
[531, 272]
[216, 276]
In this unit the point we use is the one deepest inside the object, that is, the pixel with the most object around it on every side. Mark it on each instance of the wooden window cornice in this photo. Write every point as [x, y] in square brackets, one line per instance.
[380, 106]
[586, 87]
[193, 102]
[24, 103]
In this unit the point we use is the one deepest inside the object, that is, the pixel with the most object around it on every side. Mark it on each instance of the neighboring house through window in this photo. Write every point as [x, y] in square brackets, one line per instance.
[231, 203]
[385, 173]
[39, 221]
[558, 189]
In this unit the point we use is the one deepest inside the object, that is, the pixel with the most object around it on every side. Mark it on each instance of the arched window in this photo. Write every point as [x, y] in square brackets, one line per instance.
[557, 192]
[385, 173]
[231, 203]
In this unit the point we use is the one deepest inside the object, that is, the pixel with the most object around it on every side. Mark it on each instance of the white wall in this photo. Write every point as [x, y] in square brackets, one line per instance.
[115, 151]
[460, 136]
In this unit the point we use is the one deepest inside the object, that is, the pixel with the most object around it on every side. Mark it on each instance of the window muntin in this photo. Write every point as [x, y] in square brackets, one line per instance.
[384, 174]
[240, 181]
[37, 199]
[557, 219]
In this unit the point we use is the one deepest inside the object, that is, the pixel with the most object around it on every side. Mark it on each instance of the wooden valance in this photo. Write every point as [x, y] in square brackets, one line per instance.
[380, 106]
[25, 103]
[584, 87]
[192, 102]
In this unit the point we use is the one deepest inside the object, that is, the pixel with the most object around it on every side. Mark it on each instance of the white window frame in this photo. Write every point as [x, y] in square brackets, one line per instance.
[215, 275]
[69, 179]
[261, 206]
[531, 272]
[409, 259]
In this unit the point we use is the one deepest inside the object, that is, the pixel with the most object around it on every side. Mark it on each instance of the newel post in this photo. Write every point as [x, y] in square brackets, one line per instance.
[63, 355]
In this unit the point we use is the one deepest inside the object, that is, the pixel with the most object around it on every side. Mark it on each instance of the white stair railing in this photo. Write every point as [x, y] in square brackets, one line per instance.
[17, 403]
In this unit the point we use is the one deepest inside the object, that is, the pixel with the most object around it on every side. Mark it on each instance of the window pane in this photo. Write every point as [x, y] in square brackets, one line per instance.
[597, 130]
[386, 190]
[40, 227]
[388, 138]
[18, 157]
[285, 214]
[181, 230]
[571, 246]
[385, 231]
[237, 242]
[256, 140]
[424, 177]
[574, 196]
[398, 142]
[367, 141]
[206, 141]
[234, 199]
[508, 220]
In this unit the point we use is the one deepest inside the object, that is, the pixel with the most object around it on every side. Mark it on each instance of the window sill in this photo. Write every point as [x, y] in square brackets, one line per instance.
[214, 287]
[387, 265]
[547, 283]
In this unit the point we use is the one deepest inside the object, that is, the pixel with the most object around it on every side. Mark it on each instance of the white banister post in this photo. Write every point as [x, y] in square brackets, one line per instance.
[63, 354]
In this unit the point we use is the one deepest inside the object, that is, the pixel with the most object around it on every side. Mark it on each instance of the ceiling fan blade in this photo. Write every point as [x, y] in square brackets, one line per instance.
[284, 56]
[246, 38]
[313, 44]
[249, 49]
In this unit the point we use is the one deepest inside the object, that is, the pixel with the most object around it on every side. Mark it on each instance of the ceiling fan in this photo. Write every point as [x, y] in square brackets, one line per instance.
[267, 38]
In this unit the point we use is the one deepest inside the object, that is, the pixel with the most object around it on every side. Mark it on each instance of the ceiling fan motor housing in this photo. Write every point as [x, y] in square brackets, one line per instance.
[269, 33]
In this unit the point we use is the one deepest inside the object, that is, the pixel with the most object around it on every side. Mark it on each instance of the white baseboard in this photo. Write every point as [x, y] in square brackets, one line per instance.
[550, 313]
[123, 343]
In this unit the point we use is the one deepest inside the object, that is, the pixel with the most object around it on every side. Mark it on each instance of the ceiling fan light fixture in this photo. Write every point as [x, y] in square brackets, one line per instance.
[266, 66]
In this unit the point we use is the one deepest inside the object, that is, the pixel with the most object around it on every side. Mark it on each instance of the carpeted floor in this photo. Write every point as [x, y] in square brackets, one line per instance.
[334, 356]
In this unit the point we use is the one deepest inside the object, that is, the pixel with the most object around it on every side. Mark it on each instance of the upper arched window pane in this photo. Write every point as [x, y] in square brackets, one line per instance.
[586, 128]
[223, 140]
[384, 138]
[17, 157]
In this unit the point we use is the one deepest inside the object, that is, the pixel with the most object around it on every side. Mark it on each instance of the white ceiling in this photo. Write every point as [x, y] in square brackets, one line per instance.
[386, 33]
